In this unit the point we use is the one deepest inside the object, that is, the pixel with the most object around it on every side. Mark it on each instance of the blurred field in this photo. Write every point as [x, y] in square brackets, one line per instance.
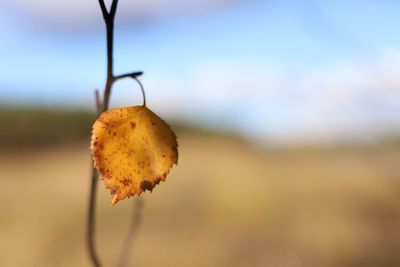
[228, 203]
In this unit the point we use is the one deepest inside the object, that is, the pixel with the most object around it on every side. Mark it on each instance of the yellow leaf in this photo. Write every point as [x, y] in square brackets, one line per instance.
[133, 150]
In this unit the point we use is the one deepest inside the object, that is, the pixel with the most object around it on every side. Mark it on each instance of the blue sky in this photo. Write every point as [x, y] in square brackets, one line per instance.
[278, 71]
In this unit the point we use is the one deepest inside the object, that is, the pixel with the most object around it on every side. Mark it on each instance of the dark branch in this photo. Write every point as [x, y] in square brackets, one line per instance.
[103, 9]
[113, 8]
[128, 75]
[110, 47]
[91, 220]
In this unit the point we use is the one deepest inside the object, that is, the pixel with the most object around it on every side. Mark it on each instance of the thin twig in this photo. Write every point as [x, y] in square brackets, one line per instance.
[101, 106]
[110, 46]
[133, 229]
[98, 101]
[128, 75]
[103, 9]
[92, 204]
[91, 220]
[142, 89]
[113, 8]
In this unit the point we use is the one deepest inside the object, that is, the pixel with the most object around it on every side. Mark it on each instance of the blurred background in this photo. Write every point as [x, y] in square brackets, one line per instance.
[287, 115]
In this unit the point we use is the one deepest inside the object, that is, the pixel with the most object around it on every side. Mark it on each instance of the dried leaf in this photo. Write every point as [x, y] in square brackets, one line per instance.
[133, 150]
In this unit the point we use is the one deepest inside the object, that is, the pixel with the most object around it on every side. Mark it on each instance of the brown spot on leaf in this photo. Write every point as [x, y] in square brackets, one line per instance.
[126, 182]
[146, 185]
[114, 190]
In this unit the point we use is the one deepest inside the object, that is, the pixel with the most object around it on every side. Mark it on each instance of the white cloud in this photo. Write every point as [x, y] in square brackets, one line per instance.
[354, 100]
[349, 101]
[222, 83]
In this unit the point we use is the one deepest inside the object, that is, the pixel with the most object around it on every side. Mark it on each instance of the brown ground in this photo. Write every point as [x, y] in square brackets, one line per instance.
[226, 204]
